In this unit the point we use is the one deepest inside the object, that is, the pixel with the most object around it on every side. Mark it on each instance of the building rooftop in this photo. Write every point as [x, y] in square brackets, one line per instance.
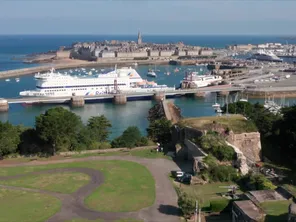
[266, 195]
[249, 209]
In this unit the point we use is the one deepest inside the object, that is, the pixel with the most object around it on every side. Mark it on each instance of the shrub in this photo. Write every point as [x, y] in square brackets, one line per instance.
[223, 173]
[219, 205]
[257, 182]
[130, 138]
[223, 152]
[216, 145]
[210, 160]
[186, 204]
[143, 141]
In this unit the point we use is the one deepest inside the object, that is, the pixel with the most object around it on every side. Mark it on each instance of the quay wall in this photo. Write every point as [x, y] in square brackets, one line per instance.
[286, 92]
[166, 53]
[63, 54]
[154, 53]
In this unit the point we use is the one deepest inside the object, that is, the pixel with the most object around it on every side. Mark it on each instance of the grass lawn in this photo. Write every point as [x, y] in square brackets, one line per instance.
[128, 220]
[128, 186]
[64, 182]
[85, 220]
[237, 123]
[276, 211]
[145, 153]
[100, 220]
[26, 206]
[205, 193]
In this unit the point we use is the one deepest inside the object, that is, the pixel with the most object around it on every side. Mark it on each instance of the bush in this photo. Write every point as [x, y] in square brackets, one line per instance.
[216, 145]
[223, 174]
[142, 142]
[257, 182]
[129, 138]
[223, 152]
[186, 204]
[210, 160]
[219, 205]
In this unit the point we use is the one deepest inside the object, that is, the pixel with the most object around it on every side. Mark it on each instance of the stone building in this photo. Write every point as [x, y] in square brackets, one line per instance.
[246, 211]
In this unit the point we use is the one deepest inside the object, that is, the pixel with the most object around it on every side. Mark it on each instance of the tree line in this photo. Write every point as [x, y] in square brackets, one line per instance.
[59, 129]
[277, 130]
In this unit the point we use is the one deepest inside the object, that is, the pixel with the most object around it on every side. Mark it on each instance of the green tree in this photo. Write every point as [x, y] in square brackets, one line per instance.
[186, 204]
[160, 131]
[263, 119]
[98, 127]
[244, 108]
[58, 127]
[9, 138]
[131, 137]
[287, 131]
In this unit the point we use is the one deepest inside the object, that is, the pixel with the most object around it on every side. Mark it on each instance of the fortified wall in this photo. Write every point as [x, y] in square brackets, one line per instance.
[248, 143]
[247, 147]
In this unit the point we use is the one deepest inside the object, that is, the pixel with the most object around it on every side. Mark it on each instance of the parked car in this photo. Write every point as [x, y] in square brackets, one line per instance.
[186, 178]
[177, 173]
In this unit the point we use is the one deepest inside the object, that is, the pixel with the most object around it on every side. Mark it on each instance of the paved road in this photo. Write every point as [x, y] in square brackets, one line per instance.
[164, 209]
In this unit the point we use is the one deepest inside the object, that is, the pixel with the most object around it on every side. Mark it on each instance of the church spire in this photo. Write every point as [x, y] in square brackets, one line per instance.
[139, 38]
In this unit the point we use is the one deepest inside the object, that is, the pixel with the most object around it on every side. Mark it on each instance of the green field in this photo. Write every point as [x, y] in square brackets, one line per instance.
[276, 211]
[84, 220]
[205, 193]
[128, 186]
[145, 153]
[64, 182]
[26, 206]
[99, 220]
[237, 123]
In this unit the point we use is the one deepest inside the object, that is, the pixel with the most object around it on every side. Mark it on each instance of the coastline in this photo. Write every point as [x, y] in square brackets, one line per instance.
[61, 64]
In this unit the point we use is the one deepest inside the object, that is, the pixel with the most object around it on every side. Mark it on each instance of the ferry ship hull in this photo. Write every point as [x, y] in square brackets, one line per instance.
[125, 80]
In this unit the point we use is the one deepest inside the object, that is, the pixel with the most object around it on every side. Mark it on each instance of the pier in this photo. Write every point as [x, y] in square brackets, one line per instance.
[119, 98]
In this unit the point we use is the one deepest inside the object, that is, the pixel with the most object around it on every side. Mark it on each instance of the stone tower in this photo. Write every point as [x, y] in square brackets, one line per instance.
[139, 38]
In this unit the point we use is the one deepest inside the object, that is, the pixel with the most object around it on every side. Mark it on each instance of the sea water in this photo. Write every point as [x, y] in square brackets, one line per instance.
[133, 113]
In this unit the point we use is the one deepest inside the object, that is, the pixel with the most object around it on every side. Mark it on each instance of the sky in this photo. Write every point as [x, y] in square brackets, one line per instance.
[163, 17]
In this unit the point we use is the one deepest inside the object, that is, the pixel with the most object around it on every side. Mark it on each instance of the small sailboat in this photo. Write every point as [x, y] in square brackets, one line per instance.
[151, 73]
[244, 99]
[93, 69]
[176, 70]
[135, 64]
[216, 105]
[7, 80]
[17, 79]
[90, 73]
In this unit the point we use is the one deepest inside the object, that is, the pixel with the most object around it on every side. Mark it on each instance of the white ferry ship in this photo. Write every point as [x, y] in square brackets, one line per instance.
[201, 80]
[55, 84]
[263, 55]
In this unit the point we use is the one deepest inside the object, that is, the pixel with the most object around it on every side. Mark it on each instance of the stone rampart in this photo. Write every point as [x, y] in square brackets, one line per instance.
[248, 143]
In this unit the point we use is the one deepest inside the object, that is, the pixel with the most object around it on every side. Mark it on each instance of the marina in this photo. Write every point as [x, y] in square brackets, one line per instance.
[232, 64]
